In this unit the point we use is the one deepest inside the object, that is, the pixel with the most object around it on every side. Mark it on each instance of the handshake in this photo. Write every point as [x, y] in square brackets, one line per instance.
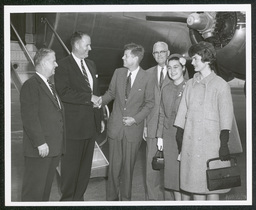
[97, 101]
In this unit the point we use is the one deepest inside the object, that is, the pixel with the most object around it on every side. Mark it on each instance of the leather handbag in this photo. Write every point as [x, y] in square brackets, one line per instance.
[158, 160]
[223, 178]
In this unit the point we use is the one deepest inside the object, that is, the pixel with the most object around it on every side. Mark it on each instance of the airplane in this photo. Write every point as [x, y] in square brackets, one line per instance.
[110, 31]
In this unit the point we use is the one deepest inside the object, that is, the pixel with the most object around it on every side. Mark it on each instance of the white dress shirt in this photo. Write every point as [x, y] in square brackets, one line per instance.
[159, 68]
[78, 61]
[45, 81]
[134, 74]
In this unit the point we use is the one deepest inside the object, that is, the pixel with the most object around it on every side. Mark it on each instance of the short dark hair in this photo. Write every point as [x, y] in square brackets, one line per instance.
[41, 54]
[206, 50]
[136, 50]
[76, 36]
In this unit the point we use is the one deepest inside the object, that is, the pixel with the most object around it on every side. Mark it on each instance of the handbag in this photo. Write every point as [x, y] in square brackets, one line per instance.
[158, 160]
[223, 178]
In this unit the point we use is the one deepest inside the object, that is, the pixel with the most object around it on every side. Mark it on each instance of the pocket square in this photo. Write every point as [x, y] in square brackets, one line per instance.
[139, 90]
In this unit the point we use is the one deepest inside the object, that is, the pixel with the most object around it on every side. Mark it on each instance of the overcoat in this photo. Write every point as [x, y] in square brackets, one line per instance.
[206, 108]
[171, 96]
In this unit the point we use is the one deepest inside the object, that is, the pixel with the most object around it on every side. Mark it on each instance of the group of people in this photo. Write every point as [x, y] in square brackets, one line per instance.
[188, 119]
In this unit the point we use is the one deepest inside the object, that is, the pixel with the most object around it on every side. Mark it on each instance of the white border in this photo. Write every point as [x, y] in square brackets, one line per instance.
[125, 8]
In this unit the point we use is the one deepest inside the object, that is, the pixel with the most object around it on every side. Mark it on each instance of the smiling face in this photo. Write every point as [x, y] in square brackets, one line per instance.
[82, 47]
[175, 70]
[49, 64]
[160, 53]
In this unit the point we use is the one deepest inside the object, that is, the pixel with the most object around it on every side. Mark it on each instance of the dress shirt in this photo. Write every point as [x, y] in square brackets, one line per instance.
[134, 74]
[78, 61]
[45, 81]
[159, 68]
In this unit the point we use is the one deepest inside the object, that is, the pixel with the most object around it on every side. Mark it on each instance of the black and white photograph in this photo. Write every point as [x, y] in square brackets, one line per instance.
[128, 105]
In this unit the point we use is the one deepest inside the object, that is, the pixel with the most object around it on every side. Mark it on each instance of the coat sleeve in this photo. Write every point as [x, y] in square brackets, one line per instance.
[111, 92]
[182, 110]
[30, 102]
[225, 106]
[149, 101]
[160, 126]
[65, 88]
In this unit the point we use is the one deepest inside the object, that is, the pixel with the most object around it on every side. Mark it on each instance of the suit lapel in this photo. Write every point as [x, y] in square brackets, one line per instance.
[123, 78]
[46, 90]
[136, 82]
[167, 80]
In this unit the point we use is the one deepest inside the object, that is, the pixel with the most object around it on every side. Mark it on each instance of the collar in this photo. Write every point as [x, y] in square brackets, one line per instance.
[205, 81]
[42, 77]
[134, 73]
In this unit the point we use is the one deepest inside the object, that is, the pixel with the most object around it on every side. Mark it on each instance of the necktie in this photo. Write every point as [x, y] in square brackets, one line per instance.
[53, 92]
[85, 74]
[128, 86]
[161, 78]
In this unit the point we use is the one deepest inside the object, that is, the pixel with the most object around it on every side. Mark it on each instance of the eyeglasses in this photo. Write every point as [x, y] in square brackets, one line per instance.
[159, 53]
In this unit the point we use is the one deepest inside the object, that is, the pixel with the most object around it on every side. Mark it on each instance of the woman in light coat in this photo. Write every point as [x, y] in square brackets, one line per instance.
[205, 116]
[170, 100]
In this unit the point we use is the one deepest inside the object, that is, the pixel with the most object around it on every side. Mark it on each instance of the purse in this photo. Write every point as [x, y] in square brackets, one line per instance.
[223, 178]
[158, 160]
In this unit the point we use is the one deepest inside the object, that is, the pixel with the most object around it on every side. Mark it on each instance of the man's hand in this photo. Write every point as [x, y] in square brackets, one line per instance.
[97, 101]
[43, 150]
[128, 121]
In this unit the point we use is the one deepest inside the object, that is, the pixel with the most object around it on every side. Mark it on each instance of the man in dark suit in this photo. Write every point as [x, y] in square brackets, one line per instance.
[77, 85]
[133, 99]
[154, 179]
[43, 129]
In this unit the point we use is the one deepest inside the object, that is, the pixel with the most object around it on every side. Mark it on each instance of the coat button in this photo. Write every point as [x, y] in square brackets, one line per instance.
[124, 108]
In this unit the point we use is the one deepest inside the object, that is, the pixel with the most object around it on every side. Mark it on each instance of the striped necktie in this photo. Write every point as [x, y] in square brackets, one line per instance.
[54, 93]
[85, 75]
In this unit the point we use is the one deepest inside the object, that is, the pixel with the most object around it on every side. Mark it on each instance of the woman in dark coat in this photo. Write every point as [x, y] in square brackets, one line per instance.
[170, 100]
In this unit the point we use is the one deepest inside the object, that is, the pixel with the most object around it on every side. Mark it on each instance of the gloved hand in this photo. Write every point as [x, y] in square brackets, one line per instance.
[224, 151]
[160, 144]
[179, 138]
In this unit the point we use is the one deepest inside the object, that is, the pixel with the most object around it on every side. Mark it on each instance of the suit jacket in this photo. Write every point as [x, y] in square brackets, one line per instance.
[152, 118]
[43, 121]
[82, 120]
[138, 105]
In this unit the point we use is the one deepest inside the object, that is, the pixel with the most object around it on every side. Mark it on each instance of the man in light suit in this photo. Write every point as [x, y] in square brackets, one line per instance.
[43, 129]
[133, 100]
[154, 183]
[77, 84]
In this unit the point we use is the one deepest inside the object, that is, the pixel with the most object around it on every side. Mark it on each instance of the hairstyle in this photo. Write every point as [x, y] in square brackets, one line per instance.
[41, 54]
[206, 50]
[76, 36]
[136, 50]
[161, 43]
